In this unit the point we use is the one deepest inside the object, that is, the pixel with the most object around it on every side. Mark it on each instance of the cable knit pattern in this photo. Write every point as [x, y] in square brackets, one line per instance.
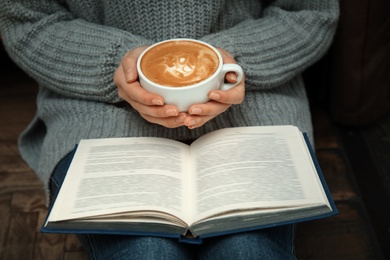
[72, 48]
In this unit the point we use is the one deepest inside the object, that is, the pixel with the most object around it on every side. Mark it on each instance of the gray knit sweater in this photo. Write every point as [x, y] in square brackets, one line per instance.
[72, 48]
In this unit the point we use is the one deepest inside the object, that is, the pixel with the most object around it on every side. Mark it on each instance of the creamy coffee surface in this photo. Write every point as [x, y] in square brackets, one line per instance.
[179, 63]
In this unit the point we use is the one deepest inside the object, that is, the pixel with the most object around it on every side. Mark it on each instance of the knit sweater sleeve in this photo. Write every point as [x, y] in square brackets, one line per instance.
[288, 38]
[51, 45]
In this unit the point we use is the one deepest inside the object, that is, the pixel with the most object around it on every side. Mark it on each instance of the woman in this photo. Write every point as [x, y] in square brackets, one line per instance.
[74, 49]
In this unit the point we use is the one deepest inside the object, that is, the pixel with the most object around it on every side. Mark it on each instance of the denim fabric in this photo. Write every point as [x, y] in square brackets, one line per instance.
[271, 243]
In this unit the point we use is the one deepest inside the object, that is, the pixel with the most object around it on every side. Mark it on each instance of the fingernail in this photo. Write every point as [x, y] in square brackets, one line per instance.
[129, 76]
[214, 96]
[171, 112]
[196, 111]
[157, 102]
[191, 123]
[180, 119]
[233, 77]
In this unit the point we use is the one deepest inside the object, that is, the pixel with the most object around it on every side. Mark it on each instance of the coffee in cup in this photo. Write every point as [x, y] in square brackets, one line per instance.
[183, 71]
[179, 63]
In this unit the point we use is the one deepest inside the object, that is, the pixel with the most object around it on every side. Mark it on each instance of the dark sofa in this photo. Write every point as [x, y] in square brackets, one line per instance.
[353, 79]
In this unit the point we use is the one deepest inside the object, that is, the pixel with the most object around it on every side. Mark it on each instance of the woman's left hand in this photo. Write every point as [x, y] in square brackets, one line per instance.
[220, 100]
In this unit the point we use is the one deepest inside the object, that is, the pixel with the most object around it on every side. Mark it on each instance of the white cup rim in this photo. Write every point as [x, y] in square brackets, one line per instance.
[215, 74]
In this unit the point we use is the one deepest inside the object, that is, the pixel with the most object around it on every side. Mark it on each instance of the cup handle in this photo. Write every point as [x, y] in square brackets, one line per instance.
[231, 67]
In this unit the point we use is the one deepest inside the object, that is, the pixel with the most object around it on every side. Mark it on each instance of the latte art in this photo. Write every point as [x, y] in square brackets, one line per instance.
[181, 63]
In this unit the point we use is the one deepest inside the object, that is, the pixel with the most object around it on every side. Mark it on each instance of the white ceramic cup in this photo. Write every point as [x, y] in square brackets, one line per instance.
[184, 97]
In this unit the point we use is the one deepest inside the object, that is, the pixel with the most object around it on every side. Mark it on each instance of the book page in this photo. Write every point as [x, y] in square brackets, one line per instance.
[121, 174]
[254, 167]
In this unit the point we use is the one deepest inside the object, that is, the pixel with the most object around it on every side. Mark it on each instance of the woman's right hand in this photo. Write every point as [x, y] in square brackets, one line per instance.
[149, 105]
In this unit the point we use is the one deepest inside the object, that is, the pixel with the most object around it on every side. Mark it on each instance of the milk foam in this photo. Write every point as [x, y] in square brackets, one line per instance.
[180, 63]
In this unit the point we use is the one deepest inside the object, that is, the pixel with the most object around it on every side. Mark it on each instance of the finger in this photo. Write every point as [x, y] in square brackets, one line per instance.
[135, 92]
[129, 64]
[201, 114]
[147, 103]
[208, 109]
[231, 77]
[193, 122]
[122, 85]
[226, 57]
[155, 111]
[130, 69]
[232, 96]
[169, 122]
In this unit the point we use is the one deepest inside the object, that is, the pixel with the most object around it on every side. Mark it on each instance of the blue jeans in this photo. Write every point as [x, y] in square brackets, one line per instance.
[271, 243]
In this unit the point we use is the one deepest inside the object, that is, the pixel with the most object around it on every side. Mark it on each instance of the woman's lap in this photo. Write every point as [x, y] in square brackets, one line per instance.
[271, 243]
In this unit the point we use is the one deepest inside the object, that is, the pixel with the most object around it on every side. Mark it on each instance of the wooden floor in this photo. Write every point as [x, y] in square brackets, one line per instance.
[348, 235]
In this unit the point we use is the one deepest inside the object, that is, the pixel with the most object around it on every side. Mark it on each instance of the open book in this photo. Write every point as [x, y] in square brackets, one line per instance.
[230, 180]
